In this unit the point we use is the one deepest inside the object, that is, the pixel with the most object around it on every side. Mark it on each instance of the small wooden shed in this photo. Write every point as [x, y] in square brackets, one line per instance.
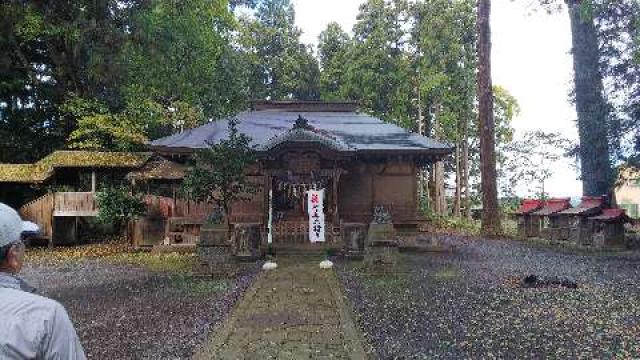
[608, 228]
[528, 226]
[577, 227]
[548, 218]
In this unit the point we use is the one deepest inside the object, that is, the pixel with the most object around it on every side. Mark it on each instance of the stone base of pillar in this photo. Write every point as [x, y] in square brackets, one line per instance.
[381, 256]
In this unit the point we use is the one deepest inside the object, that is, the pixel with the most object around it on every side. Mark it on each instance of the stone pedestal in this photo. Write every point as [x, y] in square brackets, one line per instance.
[246, 239]
[354, 236]
[381, 256]
[380, 232]
[215, 252]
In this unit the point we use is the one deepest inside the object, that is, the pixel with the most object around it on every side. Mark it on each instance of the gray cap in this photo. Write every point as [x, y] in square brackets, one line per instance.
[12, 226]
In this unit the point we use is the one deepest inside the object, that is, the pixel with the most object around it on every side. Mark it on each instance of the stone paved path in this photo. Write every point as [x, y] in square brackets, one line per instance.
[294, 312]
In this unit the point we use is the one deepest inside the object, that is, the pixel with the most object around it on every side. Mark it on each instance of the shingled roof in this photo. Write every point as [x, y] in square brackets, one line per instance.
[528, 206]
[44, 169]
[354, 131]
[158, 168]
[554, 206]
[612, 215]
[588, 206]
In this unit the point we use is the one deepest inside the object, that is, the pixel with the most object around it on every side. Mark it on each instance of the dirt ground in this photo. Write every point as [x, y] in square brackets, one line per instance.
[470, 303]
[135, 306]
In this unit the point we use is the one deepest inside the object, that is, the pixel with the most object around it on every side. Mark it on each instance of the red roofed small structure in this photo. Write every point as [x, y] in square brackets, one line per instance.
[527, 227]
[579, 229]
[612, 215]
[608, 228]
[550, 221]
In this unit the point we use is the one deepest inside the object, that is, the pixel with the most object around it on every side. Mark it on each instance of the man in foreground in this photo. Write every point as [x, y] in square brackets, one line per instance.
[31, 326]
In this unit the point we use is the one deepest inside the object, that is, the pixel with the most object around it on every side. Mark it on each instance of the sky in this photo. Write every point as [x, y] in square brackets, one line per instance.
[530, 58]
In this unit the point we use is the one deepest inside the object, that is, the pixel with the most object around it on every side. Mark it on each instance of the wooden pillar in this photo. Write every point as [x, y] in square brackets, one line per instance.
[93, 181]
[75, 231]
[336, 179]
[267, 210]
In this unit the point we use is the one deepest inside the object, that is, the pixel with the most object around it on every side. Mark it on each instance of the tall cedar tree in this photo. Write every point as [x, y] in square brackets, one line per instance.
[333, 45]
[491, 213]
[593, 114]
[280, 66]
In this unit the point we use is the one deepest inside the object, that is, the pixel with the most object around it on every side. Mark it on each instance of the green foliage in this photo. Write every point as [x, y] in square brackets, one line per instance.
[280, 67]
[107, 132]
[454, 224]
[134, 69]
[333, 47]
[529, 161]
[606, 44]
[219, 174]
[118, 207]
[48, 50]
[180, 53]
[378, 71]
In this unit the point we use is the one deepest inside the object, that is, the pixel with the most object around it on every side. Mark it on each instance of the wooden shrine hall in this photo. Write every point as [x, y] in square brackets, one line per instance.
[358, 160]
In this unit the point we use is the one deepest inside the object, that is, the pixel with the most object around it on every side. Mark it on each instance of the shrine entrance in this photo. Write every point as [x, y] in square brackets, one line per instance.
[290, 207]
[301, 160]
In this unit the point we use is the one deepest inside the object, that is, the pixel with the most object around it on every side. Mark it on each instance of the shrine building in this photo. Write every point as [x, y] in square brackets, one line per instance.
[360, 162]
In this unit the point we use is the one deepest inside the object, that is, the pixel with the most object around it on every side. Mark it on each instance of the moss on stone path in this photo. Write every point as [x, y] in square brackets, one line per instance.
[294, 312]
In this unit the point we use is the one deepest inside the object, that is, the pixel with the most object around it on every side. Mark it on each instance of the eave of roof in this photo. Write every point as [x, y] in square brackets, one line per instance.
[528, 206]
[612, 215]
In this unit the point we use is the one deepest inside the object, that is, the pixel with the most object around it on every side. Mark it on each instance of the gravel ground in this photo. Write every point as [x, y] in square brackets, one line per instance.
[469, 304]
[125, 311]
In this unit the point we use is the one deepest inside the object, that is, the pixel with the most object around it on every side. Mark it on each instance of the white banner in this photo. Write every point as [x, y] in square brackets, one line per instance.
[315, 207]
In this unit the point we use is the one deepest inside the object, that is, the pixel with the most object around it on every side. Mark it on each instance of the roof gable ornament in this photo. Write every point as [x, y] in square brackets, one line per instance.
[303, 132]
[302, 123]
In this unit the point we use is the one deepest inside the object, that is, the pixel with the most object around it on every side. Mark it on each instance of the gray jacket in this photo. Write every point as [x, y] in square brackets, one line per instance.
[34, 327]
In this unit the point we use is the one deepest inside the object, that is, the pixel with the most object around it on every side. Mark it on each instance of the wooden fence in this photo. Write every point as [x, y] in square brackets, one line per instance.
[44, 209]
[40, 211]
[167, 207]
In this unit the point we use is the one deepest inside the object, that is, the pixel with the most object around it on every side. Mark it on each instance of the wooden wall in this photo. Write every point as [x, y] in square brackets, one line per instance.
[393, 185]
[253, 210]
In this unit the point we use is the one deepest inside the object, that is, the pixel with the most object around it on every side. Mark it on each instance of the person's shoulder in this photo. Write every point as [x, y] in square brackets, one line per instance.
[31, 302]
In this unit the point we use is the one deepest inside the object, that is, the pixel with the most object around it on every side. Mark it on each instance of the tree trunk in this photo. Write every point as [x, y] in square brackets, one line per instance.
[458, 194]
[422, 172]
[490, 211]
[595, 164]
[440, 201]
[466, 200]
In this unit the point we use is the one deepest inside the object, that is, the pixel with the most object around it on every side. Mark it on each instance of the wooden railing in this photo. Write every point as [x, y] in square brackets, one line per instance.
[75, 204]
[296, 232]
